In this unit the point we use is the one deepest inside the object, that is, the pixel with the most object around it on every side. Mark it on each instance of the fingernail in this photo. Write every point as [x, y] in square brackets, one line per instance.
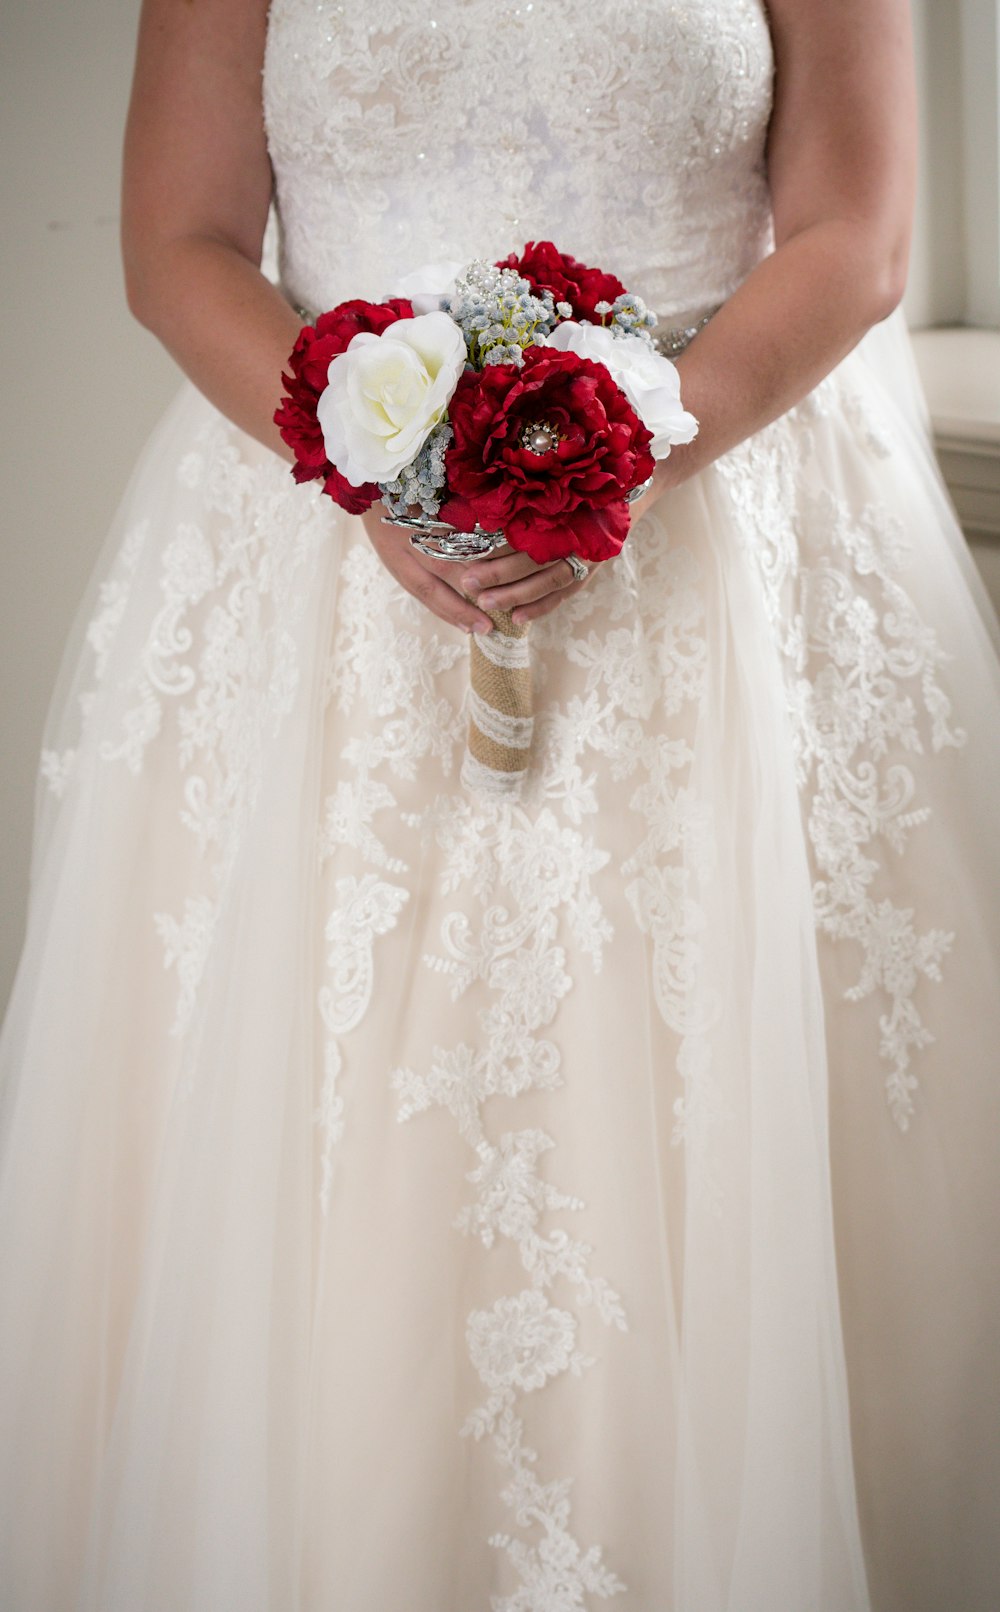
[483, 626]
[485, 599]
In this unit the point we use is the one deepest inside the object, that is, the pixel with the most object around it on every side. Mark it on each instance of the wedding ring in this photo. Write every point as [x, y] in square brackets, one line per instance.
[579, 569]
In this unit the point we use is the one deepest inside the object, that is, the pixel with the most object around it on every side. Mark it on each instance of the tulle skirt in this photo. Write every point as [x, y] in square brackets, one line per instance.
[416, 1199]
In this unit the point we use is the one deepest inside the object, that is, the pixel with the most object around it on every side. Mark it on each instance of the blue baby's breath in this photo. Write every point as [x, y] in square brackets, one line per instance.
[420, 482]
[626, 316]
[498, 314]
[631, 317]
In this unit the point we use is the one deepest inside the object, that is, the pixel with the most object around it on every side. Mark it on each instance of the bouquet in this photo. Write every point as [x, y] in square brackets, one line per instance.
[521, 402]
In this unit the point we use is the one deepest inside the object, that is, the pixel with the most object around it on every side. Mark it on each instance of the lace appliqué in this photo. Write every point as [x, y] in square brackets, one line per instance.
[526, 873]
[658, 662]
[57, 767]
[220, 656]
[862, 677]
[381, 659]
[530, 877]
[384, 160]
[364, 909]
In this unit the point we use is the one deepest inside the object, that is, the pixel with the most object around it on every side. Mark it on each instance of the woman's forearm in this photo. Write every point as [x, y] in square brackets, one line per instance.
[227, 326]
[798, 313]
[196, 188]
[841, 159]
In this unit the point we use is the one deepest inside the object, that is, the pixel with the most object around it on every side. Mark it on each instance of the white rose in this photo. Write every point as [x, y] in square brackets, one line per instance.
[427, 288]
[650, 381]
[385, 394]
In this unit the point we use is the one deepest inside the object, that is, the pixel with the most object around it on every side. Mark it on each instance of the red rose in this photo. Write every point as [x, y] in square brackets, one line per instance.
[568, 499]
[547, 269]
[315, 348]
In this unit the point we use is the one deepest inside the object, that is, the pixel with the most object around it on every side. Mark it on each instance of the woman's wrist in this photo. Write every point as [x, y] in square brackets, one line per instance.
[796, 316]
[228, 327]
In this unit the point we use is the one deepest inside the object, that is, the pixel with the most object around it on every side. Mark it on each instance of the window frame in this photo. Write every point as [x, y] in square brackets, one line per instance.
[979, 23]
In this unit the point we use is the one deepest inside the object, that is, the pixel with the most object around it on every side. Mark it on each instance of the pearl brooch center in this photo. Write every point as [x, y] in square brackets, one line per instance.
[538, 436]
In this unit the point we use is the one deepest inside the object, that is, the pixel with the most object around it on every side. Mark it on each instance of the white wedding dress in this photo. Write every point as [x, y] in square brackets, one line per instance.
[417, 1202]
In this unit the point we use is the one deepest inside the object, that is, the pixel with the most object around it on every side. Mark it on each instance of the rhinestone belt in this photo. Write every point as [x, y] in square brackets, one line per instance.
[669, 342]
[672, 341]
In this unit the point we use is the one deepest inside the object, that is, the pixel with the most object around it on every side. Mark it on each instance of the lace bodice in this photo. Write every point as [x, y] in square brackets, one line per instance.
[631, 132]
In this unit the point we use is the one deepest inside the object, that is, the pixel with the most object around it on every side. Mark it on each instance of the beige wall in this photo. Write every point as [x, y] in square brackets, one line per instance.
[81, 381]
[83, 384]
[936, 291]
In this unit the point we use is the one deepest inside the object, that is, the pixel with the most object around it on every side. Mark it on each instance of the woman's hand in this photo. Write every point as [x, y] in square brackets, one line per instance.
[504, 580]
[512, 581]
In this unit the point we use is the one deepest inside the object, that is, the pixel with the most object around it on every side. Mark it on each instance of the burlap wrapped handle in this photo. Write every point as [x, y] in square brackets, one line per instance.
[501, 708]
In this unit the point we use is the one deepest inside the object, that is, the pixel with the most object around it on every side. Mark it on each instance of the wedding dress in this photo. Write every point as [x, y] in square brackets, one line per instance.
[412, 1199]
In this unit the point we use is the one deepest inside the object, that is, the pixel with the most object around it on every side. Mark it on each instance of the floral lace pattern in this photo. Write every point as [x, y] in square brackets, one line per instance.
[387, 155]
[364, 908]
[56, 767]
[864, 695]
[219, 659]
[521, 886]
[530, 871]
[239, 668]
[525, 872]
[246, 624]
[381, 662]
[527, 889]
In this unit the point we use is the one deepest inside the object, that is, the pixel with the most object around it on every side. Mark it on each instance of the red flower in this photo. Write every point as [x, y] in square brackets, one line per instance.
[568, 499]
[547, 269]
[316, 346]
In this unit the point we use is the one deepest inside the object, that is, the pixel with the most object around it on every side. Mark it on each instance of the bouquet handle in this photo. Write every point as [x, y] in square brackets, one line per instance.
[500, 700]
[501, 708]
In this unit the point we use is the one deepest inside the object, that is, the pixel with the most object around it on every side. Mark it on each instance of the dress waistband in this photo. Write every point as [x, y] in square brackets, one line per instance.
[672, 339]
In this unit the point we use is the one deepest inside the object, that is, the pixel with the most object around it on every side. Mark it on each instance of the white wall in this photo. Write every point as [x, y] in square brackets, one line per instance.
[83, 383]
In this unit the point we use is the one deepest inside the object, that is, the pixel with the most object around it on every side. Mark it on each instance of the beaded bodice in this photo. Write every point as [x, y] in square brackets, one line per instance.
[630, 132]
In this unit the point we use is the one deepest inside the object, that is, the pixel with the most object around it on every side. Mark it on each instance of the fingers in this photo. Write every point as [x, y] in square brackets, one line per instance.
[496, 570]
[537, 584]
[442, 600]
[508, 580]
[422, 577]
[542, 607]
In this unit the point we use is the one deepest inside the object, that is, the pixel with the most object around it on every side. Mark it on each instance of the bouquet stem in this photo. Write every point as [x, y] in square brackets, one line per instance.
[501, 708]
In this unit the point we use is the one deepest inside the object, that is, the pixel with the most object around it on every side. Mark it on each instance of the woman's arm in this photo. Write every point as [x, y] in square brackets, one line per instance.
[195, 198]
[841, 159]
[196, 192]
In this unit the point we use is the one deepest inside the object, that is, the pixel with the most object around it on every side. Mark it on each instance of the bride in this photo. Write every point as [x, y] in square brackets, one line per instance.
[410, 1198]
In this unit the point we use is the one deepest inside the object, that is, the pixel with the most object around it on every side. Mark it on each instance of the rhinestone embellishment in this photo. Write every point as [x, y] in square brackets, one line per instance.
[538, 436]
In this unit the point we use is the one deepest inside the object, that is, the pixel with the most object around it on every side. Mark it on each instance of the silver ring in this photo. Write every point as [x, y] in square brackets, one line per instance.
[579, 569]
